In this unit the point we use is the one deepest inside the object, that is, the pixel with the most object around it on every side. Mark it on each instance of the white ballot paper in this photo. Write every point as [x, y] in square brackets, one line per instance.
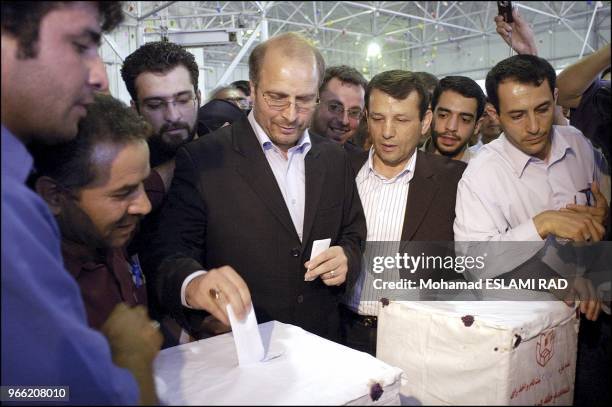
[246, 337]
[318, 247]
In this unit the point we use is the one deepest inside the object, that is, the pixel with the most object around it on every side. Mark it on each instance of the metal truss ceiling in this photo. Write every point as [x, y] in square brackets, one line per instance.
[345, 27]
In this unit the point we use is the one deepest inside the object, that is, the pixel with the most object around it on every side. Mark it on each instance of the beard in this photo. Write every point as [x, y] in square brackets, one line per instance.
[452, 153]
[162, 149]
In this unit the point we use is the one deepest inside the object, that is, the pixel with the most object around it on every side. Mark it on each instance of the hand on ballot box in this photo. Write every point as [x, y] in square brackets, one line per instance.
[331, 266]
[581, 289]
[217, 288]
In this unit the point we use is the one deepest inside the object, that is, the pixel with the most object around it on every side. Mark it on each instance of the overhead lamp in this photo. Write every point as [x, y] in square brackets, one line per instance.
[373, 50]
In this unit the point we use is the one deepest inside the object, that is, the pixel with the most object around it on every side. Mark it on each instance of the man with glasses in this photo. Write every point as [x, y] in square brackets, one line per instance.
[256, 195]
[233, 95]
[341, 106]
[162, 79]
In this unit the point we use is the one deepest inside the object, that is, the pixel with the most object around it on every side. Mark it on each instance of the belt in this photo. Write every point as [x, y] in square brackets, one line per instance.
[365, 320]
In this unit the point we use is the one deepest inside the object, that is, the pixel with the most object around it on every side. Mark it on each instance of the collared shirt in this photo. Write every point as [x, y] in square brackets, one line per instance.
[105, 280]
[384, 205]
[290, 175]
[503, 189]
[45, 337]
[289, 171]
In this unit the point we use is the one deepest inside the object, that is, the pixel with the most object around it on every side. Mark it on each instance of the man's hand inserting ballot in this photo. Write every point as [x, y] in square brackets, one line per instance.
[331, 266]
[217, 288]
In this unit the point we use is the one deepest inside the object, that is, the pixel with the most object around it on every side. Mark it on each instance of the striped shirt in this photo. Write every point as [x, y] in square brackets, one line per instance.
[384, 204]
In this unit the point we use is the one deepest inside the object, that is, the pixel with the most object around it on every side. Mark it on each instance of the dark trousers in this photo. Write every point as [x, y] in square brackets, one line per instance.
[594, 362]
[358, 331]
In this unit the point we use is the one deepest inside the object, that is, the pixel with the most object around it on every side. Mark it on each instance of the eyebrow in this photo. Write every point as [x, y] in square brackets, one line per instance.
[125, 188]
[90, 35]
[152, 98]
[443, 109]
[547, 103]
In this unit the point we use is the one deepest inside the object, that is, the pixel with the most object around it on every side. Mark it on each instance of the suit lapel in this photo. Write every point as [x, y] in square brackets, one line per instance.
[423, 188]
[254, 168]
[315, 178]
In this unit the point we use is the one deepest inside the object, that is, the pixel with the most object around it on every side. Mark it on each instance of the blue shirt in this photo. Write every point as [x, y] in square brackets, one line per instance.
[45, 337]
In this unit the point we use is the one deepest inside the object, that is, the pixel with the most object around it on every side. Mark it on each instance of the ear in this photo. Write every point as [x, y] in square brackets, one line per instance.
[426, 122]
[134, 106]
[252, 86]
[51, 193]
[199, 97]
[556, 95]
[478, 124]
[492, 111]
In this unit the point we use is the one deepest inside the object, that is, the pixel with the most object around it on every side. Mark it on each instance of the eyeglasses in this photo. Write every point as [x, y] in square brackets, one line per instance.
[336, 108]
[281, 103]
[182, 102]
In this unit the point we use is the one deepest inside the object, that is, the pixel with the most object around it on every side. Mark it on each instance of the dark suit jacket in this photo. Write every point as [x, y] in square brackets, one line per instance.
[430, 210]
[225, 208]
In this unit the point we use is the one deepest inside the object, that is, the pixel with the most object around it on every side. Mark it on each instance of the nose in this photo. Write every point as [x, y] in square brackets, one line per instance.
[533, 126]
[290, 113]
[388, 129]
[172, 113]
[345, 118]
[451, 123]
[141, 204]
[98, 78]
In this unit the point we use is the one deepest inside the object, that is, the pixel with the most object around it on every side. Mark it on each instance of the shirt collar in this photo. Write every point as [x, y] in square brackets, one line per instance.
[519, 160]
[16, 160]
[266, 143]
[408, 168]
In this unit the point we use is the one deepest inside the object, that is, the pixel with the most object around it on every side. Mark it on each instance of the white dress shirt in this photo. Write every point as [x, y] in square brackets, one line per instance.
[384, 205]
[503, 189]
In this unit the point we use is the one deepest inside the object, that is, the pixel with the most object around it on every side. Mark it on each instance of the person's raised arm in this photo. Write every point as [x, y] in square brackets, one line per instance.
[517, 34]
[576, 79]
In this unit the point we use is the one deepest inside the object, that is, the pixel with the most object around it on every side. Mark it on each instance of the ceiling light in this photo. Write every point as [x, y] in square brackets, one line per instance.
[373, 50]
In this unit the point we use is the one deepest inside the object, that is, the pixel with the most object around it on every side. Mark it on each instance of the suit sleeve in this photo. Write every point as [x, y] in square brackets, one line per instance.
[353, 233]
[177, 248]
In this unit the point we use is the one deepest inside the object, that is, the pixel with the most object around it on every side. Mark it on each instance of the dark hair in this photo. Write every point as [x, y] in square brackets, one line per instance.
[243, 86]
[108, 120]
[464, 86]
[429, 81]
[160, 57]
[21, 19]
[215, 114]
[343, 73]
[399, 84]
[526, 69]
[293, 45]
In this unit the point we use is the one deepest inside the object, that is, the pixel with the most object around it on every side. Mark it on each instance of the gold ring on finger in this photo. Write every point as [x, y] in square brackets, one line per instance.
[214, 293]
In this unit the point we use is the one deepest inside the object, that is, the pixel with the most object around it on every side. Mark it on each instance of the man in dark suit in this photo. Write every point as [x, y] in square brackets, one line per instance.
[254, 196]
[407, 195]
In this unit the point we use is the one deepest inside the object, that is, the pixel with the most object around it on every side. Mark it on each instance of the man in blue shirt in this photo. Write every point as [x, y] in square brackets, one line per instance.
[50, 69]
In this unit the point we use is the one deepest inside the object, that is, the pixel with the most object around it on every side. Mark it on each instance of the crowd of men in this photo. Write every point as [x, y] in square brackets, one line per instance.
[126, 229]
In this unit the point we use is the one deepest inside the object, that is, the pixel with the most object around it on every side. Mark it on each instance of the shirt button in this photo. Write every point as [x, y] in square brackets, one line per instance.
[300, 299]
[295, 252]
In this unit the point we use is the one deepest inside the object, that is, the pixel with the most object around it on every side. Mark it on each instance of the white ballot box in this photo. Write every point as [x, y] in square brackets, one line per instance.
[476, 353]
[310, 370]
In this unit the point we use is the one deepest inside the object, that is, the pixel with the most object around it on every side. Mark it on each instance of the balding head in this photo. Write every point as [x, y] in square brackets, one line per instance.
[292, 46]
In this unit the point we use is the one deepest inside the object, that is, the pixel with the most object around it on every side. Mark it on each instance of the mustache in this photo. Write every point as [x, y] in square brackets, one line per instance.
[174, 126]
[128, 220]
